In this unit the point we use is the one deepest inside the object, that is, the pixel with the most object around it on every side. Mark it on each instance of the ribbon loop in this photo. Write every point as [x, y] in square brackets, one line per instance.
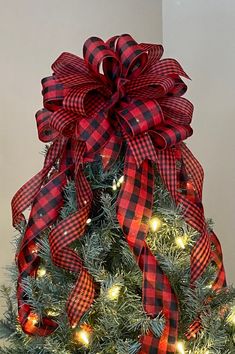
[138, 116]
[45, 132]
[96, 52]
[170, 134]
[155, 85]
[132, 56]
[68, 64]
[53, 93]
[177, 109]
[63, 122]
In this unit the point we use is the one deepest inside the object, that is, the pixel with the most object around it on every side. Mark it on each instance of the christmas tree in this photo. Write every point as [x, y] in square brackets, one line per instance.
[116, 255]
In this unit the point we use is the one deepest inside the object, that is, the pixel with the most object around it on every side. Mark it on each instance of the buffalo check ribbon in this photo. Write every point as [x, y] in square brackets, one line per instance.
[121, 94]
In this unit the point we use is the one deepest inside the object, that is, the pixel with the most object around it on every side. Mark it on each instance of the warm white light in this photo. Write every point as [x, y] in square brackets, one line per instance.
[114, 185]
[231, 317]
[53, 313]
[180, 242]
[180, 347]
[88, 221]
[155, 224]
[120, 181]
[114, 292]
[83, 336]
[41, 272]
[209, 286]
[33, 318]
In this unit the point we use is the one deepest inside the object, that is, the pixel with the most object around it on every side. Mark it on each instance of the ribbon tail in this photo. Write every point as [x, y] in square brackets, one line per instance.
[194, 213]
[43, 214]
[64, 257]
[217, 257]
[68, 231]
[159, 294]
[134, 209]
[26, 194]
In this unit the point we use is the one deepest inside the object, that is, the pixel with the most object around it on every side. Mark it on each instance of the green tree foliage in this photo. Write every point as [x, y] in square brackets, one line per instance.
[117, 318]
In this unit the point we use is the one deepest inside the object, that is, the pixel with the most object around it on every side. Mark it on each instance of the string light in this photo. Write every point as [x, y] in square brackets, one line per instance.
[52, 312]
[114, 185]
[180, 347]
[120, 181]
[83, 335]
[209, 286]
[88, 221]
[33, 318]
[33, 248]
[41, 272]
[181, 241]
[117, 184]
[31, 323]
[231, 317]
[114, 292]
[155, 224]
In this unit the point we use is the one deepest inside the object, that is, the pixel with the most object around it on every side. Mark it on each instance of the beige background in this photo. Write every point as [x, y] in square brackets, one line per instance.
[199, 33]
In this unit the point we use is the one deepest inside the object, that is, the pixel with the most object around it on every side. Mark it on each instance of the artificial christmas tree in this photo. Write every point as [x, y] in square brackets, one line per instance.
[116, 255]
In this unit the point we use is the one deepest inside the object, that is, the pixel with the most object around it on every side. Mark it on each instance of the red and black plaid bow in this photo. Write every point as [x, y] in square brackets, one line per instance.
[120, 92]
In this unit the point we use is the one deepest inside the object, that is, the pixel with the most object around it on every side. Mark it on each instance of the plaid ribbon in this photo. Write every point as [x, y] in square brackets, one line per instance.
[208, 248]
[121, 91]
[134, 208]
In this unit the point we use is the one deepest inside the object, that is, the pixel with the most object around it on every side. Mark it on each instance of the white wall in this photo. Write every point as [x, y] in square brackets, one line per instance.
[201, 35]
[32, 35]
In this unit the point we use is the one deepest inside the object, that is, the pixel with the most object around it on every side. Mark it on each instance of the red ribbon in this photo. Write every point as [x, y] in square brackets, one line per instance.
[120, 92]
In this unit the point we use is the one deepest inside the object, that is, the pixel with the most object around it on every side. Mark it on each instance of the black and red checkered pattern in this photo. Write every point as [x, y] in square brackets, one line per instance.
[134, 209]
[44, 212]
[121, 92]
[190, 183]
[63, 256]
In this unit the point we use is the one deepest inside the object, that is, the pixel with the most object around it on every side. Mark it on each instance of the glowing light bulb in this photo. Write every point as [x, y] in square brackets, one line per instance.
[231, 317]
[88, 221]
[83, 335]
[114, 185]
[209, 286]
[31, 323]
[114, 292]
[120, 181]
[180, 242]
[155, 224]
[41, 272]
[33, 248]
[33, 318]
[53, 313]
[180, 347]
